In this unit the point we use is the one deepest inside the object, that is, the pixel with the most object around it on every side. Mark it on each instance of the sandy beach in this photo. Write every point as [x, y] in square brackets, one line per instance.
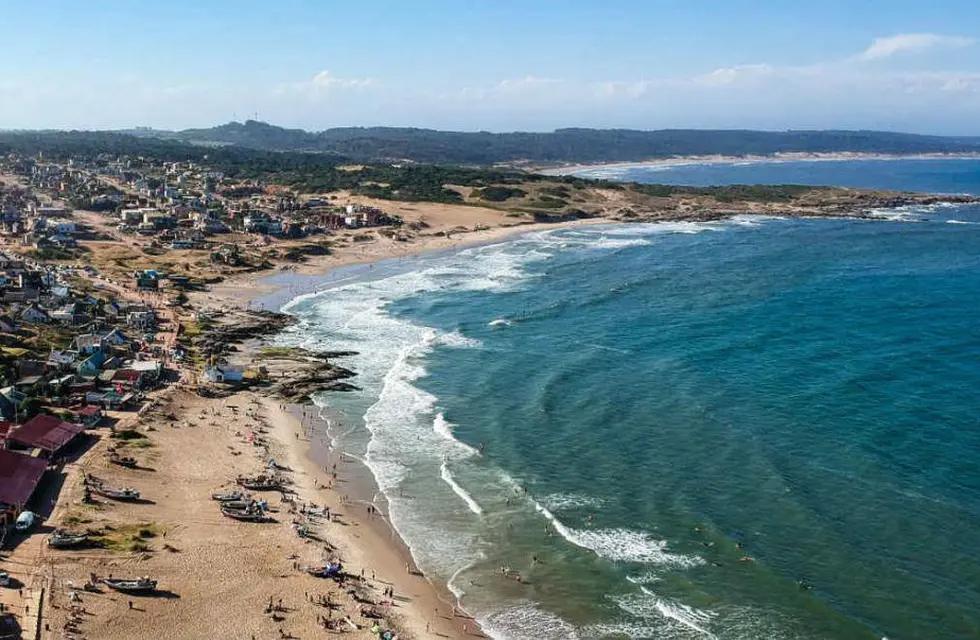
[677, 161]
[241, 290]
[217, 577]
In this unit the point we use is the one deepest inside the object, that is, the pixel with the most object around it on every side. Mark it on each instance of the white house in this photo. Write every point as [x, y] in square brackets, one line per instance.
[224, 373]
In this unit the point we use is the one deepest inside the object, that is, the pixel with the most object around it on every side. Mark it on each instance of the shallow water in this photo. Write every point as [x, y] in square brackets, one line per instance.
[625, 414]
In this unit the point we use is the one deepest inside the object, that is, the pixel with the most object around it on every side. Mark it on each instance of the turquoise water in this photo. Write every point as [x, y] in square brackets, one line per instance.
[762, 428]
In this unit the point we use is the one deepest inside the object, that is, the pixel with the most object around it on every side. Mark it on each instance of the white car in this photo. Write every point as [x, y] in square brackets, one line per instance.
[25, 521]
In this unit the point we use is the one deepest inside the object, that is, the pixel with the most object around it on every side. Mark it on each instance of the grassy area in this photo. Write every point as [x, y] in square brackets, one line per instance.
[496, 193]
[73, 521]
[131, 438]
[128, 537]
[287, 353]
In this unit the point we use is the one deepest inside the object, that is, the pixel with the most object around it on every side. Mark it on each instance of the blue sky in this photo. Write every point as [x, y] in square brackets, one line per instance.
[494, 65]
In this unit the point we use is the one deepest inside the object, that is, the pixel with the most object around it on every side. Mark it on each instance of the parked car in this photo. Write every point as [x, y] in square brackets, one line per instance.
[4, 579]
[25, 521]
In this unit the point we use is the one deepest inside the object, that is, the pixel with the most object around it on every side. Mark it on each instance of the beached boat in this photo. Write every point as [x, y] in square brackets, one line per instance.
[9, 627]
[245, 515]
[140, 585]
[124, 494]
[330, 570]
[260, 483]
[306, 532]
[65, 540]
[229, 496]
[123, 461]
[237, 505]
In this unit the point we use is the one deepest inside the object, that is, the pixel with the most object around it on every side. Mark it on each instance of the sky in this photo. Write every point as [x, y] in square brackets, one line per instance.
[495, 65]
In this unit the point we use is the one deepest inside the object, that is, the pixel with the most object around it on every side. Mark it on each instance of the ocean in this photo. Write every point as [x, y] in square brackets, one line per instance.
[756, 428]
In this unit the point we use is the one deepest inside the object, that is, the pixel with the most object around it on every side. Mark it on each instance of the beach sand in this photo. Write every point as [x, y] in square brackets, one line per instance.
[795, 156]
[216, 575]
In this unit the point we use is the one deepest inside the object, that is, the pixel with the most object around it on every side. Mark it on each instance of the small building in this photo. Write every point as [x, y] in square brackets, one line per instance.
[224, 373]
[48, 433]
[147, 280]
[19, 476]
[90, 415]
[90, 366]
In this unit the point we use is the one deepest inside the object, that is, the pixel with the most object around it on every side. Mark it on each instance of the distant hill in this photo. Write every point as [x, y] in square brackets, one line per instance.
[368, 144]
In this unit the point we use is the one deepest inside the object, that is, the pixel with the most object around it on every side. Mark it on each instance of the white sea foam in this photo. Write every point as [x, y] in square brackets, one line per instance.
[912, 212]
[619, 545]
[447, 475]
[500, 322]
[453, 583]
[688, 616]
[560, 501]
[445, 429]
[526, 622]
[458, 340]
[960, 222]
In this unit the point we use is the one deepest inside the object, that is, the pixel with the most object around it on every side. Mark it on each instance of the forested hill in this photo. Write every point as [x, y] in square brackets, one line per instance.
[563, 145]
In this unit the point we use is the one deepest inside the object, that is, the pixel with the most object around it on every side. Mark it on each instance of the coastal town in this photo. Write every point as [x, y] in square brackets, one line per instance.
[122, 376]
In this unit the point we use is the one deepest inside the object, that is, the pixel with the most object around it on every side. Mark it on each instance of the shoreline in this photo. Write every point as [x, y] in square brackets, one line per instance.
[380, 538]
[245, 290]
[680, 161]
[375, 546]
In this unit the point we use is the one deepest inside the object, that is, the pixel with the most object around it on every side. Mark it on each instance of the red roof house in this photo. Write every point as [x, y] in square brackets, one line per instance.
[19, 477]
[45, 432]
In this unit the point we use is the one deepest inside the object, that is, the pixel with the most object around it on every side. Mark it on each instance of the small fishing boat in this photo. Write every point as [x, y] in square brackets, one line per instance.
[329, 570]
[9, 627]
[260, 483]
[66, 540]
[123, 461]
[237, 505]
[245, 515]
[229, 496]
[309, 534]
[124, 494]
[140, 585]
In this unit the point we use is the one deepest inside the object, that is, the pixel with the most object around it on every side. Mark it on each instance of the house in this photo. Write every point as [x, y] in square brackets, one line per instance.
[64, 227]
[110, 399]
[115, 338]
[224, 373]
[90, 366]
[90, 415]
[19, 477]
[149, 370]
[60, 360]
[87, 343]
[128, 378]
[147, 280]
[47, 433]
[72, 313]
[33, 314]
[10, 401]
[141, 320]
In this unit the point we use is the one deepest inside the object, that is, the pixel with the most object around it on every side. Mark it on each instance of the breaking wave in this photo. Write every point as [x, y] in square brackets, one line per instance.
[619, 545]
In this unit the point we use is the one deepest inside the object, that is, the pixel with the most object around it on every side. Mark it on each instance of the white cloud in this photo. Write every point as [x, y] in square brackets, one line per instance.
[734, 75]
[326, 80]
[911, 43]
